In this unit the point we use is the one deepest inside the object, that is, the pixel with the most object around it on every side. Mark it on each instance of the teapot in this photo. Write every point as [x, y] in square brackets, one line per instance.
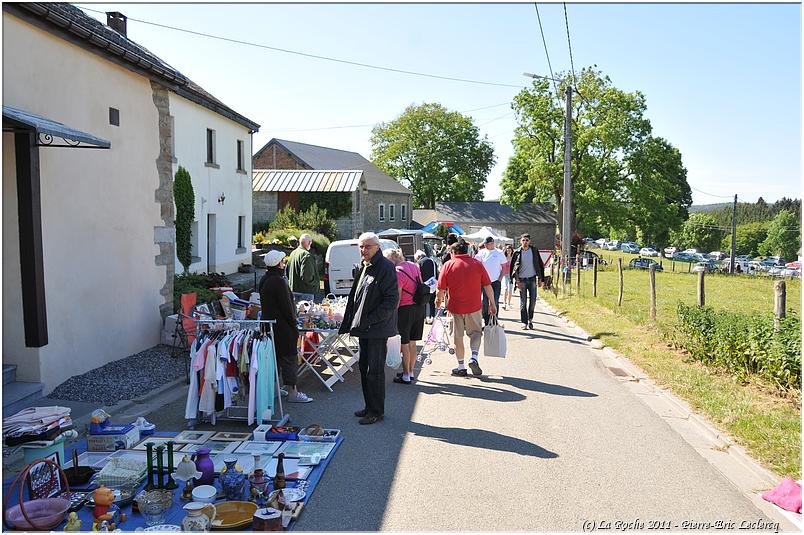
[199, 516]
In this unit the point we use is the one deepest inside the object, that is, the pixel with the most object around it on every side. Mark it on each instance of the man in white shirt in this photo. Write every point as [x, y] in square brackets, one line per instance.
[493, 260]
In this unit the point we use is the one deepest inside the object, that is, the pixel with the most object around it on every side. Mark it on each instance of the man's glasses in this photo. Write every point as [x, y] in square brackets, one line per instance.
[367, 246]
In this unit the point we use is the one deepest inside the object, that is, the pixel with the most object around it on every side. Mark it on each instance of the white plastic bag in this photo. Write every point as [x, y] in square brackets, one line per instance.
[393, 357]
[494, 344]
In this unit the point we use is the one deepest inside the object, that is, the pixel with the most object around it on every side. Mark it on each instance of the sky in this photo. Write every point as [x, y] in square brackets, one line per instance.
[722, 81]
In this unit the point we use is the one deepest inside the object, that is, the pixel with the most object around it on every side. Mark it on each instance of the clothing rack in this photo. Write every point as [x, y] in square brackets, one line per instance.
[228, 412]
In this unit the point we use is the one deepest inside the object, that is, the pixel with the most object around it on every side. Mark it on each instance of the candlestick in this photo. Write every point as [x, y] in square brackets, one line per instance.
[170, 483]
[160, 466]
[149, 456]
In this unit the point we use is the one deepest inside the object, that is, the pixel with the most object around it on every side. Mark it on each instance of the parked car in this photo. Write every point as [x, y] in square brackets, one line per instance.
[670, 251]
[690, 251]
[631, 248]
[717, 255]
[589, 257]
[601, 242]
[339, 262]
[589, 243]
[707, 267]
[613, 245]
[644, 263]
[684, 257]
[648, 251]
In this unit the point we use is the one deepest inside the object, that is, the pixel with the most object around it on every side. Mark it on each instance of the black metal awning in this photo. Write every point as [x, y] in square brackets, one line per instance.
[46, 130]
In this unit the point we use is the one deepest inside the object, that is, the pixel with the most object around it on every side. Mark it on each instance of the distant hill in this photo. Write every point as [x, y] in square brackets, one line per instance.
[708, 207]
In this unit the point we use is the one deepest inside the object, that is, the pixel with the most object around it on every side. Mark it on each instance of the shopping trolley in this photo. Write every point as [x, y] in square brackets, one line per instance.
[438, 339]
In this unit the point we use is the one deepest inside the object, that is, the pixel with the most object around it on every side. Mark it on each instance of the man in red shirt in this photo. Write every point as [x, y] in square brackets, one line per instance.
[462, 277]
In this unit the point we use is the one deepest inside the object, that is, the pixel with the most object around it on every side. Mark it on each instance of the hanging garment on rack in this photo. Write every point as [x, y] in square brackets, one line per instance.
[265, 379]
[206, 404]
[191, 408]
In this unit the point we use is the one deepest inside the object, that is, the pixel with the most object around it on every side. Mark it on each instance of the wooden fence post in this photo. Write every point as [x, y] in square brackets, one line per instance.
[689, 267]
[674, 266]
[652, 271]
[780, 303]
[594, 278]
[578, 276]
[620, 269]
[701, 293]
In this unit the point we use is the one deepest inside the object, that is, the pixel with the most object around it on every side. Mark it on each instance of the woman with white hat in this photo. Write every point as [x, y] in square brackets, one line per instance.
[277, 304]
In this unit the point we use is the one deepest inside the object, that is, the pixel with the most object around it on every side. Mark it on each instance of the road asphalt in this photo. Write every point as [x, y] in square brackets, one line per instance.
[551, 438]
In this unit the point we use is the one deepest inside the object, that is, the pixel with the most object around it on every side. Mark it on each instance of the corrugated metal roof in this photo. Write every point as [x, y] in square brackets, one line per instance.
[305, 180]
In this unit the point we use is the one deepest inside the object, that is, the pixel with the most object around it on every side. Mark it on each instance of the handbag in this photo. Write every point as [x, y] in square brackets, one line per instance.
[494, 343]
[422, 293]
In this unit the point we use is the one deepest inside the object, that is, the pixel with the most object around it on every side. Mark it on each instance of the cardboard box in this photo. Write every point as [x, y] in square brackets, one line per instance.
[114, 437]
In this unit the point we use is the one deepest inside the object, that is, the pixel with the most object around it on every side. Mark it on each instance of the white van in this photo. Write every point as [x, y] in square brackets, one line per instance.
[339, 262]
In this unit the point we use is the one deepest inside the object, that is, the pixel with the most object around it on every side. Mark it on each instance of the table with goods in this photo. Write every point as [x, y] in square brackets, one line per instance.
[189, 481]
[322, 350]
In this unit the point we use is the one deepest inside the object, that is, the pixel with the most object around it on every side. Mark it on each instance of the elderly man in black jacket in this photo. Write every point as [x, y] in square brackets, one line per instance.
[526, 268]
[371, 317]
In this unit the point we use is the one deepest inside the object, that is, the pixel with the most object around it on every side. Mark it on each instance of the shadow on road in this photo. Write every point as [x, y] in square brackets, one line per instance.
[477, 392]
[537, 386]
[559, 337]
[479, 438]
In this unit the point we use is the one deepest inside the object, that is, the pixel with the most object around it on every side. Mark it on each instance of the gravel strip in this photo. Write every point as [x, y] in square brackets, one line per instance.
[127, 378]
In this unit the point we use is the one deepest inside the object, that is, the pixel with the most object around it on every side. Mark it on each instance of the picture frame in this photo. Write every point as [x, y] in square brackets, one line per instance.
[262, 448]
[291, 466]
[43, 480]
[94, 459]
[231, 437]
[158, 441]
[194, 437]
[215, 446]
[295, 449]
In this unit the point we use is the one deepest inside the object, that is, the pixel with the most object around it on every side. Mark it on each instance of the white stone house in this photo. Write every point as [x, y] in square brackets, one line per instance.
[89, 121]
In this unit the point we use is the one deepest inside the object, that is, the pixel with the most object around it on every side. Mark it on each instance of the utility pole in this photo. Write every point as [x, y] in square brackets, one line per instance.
[733, 234]
[566, 227]
[566, 222]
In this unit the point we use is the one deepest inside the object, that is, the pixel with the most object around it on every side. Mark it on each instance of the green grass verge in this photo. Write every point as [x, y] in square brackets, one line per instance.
[760, 418]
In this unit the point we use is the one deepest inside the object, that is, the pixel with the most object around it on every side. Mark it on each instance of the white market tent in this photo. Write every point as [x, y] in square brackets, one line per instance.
[485, 232]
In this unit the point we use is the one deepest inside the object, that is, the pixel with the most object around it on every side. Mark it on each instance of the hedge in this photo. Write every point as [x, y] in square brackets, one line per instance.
[742, 344]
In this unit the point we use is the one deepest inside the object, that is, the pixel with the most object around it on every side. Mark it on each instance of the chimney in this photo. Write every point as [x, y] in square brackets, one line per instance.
[116, 21]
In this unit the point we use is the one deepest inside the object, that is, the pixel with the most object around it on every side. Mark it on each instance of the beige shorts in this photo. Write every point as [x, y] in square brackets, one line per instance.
[471, 323]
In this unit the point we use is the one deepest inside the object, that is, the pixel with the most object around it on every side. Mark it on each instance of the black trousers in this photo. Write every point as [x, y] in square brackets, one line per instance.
[372, 373]
[288, 367]
[496, 287]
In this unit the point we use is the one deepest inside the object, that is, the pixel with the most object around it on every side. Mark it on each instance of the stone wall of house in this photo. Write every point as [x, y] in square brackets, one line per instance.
[264, 205]
[542, 235]
[370, 202]
[276, 157]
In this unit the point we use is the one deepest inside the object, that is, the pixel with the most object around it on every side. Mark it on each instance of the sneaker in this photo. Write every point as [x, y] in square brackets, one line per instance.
[300, 397]
[524, 327]
[530, 325]
[399, 376]
[459, 372]
[361, 413]
[475, 367]
[283, 392]
[401, 381]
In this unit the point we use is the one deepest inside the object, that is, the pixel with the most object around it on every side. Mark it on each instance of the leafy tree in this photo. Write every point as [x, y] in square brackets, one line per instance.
[784, 236]
[436, 153]
[757, 212]
[700, 232]
[749, 237]
[184, 198]
[441, 231]
[313, 218]
[624, 180]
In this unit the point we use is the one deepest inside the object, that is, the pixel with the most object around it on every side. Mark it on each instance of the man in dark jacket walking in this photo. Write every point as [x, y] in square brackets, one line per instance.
[526, 267]
[371, 316]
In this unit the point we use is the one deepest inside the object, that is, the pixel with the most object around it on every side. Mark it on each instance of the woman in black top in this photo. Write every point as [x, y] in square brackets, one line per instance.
[429, 270]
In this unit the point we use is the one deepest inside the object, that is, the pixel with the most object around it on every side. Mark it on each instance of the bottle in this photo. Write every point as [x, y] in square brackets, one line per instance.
[279, 478]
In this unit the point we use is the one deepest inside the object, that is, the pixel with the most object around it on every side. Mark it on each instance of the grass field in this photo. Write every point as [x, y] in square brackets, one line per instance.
[765, 421]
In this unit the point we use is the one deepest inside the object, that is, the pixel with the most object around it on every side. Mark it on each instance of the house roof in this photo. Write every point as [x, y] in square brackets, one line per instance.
[72, 24]
[487, 213]
[326, 158]
[48, 128]
[303, 180]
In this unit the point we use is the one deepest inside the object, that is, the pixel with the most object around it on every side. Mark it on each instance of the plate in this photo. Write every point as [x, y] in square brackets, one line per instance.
[293, 494]
[164, 527]
[234, 514]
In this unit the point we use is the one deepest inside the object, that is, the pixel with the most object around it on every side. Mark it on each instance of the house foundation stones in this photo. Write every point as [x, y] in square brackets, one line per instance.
[165, 235]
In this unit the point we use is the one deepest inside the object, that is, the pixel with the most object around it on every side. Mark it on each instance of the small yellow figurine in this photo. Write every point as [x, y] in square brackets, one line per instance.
[73, 523]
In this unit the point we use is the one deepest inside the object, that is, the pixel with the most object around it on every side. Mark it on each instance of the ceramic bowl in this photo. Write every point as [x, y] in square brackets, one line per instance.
[205, 494]
[45, 514]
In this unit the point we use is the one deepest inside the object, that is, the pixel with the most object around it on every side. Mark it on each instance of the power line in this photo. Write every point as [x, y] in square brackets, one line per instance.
[713, 195]
[316, 56]
[370, 124]
[496, 119]
[569, 44]
[544, 42]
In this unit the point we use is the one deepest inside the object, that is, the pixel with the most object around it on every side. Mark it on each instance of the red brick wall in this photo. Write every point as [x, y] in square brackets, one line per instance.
[276, 157]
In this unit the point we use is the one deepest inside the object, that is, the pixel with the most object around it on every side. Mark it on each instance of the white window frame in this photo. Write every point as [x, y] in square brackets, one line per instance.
[391, 212]
[403, 212]
[381, 212]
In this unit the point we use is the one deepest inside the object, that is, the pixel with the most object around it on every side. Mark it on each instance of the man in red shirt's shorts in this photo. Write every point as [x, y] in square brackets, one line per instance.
[463, 277]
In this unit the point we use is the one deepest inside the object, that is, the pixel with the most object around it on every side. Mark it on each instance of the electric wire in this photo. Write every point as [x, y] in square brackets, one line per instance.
[317, 56]
[546, 53]
[713, 195]
[569, 44]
